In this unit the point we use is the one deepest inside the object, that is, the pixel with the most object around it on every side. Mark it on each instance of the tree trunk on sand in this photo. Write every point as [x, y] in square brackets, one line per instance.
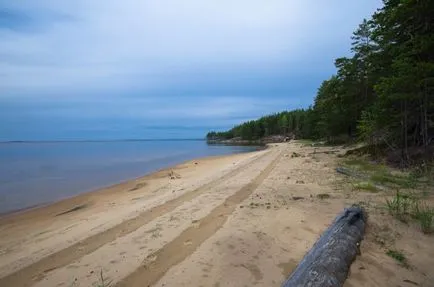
[328, 262]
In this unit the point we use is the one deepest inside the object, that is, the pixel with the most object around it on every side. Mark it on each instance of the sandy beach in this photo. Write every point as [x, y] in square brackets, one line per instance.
[238, 220]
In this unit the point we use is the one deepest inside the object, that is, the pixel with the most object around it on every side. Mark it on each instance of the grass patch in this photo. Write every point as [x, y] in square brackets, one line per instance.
[379, 174]
[405, 206]
[366, 185]
[362, 164]
[394, 180]
[424, 214]
[398, 256]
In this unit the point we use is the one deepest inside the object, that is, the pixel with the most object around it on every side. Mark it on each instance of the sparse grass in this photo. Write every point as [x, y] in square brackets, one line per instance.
[323, 195]
[425, 215]
[394, 180]
[398, 256]
[364, 165]
[424, 172]
[371, 176]
[102, 281]
[295, 154]
[173, 218]
[400, 205]
[305, 141]
[365, 185]
[254, 204]
[155, 232]
[379, 174]
[363, 204]
[425, 193]
[405, 206]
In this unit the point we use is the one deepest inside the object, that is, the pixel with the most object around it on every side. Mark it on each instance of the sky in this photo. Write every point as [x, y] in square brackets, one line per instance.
[109, 69]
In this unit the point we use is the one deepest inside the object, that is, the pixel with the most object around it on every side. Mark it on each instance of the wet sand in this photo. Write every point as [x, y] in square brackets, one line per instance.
[239, 220]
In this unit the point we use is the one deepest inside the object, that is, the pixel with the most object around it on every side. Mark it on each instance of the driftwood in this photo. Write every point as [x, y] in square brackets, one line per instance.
[328, 262]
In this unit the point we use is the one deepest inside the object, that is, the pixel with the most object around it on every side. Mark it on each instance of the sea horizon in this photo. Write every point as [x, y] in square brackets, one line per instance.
[100, 140]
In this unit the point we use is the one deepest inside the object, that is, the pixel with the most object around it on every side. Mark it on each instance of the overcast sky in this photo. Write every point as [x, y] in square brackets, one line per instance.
[110, 69]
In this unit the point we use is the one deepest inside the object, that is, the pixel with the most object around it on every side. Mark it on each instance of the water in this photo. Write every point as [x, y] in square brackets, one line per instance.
[38, 173]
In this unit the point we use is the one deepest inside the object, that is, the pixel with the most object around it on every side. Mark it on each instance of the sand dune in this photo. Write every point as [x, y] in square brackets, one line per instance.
[238, 220]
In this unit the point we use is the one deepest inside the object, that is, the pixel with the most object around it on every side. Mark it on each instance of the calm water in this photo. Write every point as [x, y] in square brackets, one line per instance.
[38, 173]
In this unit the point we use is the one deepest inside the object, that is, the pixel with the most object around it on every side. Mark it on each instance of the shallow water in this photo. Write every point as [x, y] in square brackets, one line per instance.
[34, 173]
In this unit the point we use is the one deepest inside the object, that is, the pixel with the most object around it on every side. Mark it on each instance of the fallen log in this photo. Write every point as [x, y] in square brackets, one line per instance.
[328, 262]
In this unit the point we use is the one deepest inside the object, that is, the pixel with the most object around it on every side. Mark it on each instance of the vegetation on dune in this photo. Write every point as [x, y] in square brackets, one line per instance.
[366, 185]
[383, 94]
[398, 256]
[411, 190]
[406, 206]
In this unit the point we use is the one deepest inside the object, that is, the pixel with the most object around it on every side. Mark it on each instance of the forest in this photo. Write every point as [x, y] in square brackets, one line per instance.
[382, 95]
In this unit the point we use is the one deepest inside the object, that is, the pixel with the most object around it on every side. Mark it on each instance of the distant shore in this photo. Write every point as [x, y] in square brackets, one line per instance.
[243, 142]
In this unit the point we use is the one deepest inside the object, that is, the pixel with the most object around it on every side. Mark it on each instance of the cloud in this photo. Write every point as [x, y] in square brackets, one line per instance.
[169, 59]
[90, 42]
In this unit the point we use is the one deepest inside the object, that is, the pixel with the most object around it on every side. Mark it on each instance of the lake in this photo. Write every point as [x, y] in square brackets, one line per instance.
[35, 173]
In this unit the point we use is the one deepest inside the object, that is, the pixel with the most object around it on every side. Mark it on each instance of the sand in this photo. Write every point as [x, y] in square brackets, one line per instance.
[237, 220]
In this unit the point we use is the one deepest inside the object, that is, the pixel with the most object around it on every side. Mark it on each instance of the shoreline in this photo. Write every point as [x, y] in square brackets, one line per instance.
[36, 234]
[216, 221]
[119, 185]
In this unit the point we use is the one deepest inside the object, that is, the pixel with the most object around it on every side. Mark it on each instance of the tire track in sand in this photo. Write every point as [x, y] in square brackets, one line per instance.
[35, 272]
[190, 239]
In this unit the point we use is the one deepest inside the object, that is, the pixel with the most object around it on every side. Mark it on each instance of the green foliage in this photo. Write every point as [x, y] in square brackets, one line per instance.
[293, 123]
[398, 256]
[381, 94]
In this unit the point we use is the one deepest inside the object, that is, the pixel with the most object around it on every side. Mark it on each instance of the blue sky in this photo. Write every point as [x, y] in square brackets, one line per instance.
[109, 69]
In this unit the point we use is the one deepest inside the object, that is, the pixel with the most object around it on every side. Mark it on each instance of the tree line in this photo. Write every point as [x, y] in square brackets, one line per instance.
[294, 122]
[382, 94]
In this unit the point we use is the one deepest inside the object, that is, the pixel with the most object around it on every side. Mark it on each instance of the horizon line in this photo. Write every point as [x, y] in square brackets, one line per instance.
[101, 140]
